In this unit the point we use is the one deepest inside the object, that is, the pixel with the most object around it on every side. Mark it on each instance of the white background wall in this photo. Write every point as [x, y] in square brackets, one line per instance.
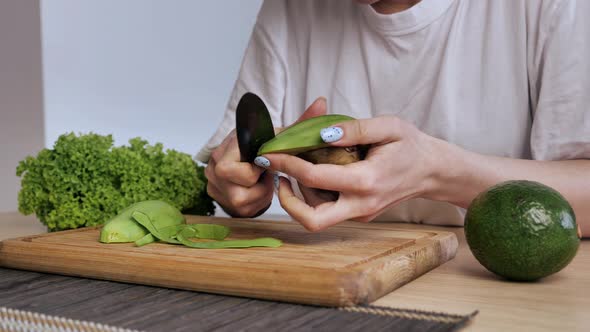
[159, 69]
[21, 92]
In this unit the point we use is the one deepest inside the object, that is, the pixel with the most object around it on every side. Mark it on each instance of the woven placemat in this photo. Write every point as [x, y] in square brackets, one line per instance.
[18, 321]
[107, 306]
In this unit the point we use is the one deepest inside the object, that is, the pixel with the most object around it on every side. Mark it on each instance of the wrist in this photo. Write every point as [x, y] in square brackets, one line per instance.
[456, 174]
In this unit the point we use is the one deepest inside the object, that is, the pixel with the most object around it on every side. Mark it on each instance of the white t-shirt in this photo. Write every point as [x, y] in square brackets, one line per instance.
[504, 77]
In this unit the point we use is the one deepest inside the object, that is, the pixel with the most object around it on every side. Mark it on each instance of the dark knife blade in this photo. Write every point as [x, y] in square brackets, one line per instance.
[253, 126]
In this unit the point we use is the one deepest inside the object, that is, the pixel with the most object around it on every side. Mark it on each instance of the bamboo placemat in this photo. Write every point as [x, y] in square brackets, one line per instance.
[12, 320]
[78, 305]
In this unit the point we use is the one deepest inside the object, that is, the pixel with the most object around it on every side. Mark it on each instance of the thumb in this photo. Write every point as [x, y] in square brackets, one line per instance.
[317, 108]
[377, 130]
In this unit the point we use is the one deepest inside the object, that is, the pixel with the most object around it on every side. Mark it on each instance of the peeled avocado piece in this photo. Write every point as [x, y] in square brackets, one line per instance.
[150, 221]
[124, 228]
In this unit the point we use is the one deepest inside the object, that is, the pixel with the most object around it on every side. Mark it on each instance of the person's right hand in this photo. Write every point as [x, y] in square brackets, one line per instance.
[243, 189]
[240, 188]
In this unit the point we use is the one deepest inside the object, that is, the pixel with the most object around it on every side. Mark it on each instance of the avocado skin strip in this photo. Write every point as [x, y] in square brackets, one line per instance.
[145, 221]
[168, 232]
[203, 231]
[186, 233]
[210, 231]
[145, 240]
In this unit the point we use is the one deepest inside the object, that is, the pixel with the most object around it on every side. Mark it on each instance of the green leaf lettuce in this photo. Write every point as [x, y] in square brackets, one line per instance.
[84, 180]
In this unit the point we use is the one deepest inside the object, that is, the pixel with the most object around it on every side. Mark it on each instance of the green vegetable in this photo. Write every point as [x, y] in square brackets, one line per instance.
[85, 180]
[302, 136]
[210, 231]
[145, 240]
[125, 227]
[148, 221]
[171, 231]
[303, 140]
[184, 235]
[122, 229]
[203, 231]
[522, 230]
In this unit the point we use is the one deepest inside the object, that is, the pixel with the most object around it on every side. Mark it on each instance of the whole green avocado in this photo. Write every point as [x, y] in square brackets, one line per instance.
[522, 230]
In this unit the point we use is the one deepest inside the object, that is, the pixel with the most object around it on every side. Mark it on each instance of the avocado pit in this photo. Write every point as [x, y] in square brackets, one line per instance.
[333, 155]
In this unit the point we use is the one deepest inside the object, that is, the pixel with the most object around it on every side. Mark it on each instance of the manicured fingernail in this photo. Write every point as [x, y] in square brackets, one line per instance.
[276, 181]
[262, 162]
[331, 134]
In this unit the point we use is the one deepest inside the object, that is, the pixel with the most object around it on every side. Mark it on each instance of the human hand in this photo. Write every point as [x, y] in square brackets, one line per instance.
[243, 189]
[401, 164]
[240, 188]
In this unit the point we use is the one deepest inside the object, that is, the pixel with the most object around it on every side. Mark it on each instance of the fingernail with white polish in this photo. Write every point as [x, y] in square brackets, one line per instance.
[276, 181]
[331, 134]
[262, 162]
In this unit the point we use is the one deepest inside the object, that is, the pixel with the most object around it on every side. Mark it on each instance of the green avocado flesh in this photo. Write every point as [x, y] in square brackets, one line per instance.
[124, 228]
[151, 221]
[522, 230]
[302, 136]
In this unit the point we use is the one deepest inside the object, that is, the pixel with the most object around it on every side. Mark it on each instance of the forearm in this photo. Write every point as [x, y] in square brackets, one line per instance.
[464, 174]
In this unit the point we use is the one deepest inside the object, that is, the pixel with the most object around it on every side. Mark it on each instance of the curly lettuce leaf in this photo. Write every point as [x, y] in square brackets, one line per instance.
[84, 180]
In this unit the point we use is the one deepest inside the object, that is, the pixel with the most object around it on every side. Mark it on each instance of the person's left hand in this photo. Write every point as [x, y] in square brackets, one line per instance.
[402, 163]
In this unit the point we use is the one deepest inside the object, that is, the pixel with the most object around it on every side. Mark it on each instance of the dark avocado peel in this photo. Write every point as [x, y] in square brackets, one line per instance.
[522, 230]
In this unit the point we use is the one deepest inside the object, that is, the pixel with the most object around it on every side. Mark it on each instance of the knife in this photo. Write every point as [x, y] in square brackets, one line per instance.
[253, 126]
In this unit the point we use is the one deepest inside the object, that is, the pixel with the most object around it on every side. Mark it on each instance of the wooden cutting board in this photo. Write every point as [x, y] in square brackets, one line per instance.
[347, 264]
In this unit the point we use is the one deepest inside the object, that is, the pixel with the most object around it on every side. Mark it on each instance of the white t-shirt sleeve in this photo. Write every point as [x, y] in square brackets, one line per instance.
[559, 73]
[262, 72]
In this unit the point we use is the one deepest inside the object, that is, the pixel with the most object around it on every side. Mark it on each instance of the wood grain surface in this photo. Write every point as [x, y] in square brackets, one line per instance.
[344, 265]
[557, 303]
